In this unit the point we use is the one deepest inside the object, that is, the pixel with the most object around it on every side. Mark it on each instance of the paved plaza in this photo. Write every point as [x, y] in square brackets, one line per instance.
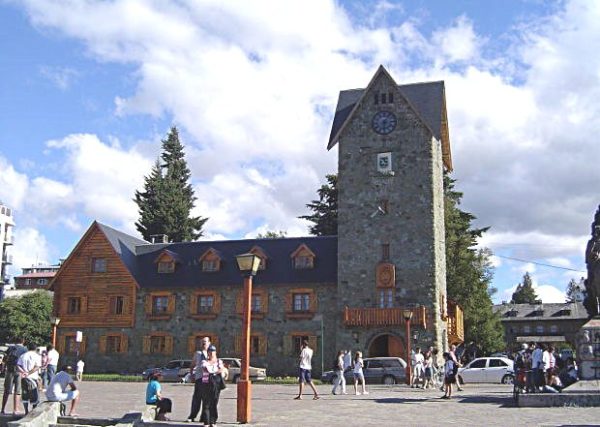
[273, 405]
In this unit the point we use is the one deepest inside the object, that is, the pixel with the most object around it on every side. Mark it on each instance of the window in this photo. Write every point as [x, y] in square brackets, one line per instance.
[297, 342]
[301, 302]
[390, 97]
[497, 363]
[554, 329]
[205, 304]
[376, 99]
[166, 267]
[385, 251]
[70, 344]
[42, 282]
[113, 344]
[195, 340]
[383, 98]
[257, 303]
[99, 265]
[160, 305]
[254, 344]
[28, 282]
[526, 329]
[117, 305]
[74, 305]
[303, 262]
[375, 364]
[539, 329]
[386, 298]
[391, 363]
[210, 265]
[478, 364]
[157, 344]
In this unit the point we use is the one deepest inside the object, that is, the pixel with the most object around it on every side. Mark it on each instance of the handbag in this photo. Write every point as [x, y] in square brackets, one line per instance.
[217, 381]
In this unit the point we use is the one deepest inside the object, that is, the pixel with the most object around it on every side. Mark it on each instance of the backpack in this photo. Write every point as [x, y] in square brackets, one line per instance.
[12, 356]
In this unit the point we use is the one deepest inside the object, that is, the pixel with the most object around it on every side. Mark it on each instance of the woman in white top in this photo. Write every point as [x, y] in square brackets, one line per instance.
[358, 373]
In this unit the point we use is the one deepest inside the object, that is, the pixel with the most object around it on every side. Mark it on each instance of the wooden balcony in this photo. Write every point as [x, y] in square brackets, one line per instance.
[383, 316]
[456, 327]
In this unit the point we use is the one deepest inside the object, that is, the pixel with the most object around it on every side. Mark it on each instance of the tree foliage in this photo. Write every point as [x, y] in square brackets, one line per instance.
[469, 273]
[269, 234]
[575, 290]
[325, 209]
[168, 198]
[524, 294]
[27, 316]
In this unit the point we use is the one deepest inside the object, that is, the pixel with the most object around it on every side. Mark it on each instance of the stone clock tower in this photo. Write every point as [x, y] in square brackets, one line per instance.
[393, 149]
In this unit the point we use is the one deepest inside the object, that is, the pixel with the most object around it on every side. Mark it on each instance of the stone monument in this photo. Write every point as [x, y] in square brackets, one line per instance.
[592, 261]
[588, 350]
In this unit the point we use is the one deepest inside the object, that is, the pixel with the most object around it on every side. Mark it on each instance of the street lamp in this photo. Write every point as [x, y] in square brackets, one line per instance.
[407, 314]
[248, 264]
[54, 321]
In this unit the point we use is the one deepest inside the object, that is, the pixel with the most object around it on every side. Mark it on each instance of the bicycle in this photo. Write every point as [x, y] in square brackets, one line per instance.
[519, 384]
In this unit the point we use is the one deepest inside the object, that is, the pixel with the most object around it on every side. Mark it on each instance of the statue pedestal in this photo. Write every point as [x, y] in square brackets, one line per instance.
[588, 350]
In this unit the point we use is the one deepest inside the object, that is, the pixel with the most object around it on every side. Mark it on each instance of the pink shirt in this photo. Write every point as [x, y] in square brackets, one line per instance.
[210, 368]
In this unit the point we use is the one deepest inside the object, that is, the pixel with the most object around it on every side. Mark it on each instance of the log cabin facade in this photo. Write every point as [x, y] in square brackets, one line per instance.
[141, 304]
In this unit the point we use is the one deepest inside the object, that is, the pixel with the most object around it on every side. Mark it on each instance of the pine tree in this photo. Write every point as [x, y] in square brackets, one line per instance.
[168, 197]
[325, 209]
[575, 290]
[524, 294]
[469, 274]
[269, 234]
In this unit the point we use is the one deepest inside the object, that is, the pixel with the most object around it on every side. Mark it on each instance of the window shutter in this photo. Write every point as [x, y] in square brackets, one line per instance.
[148, 306]
[262, 345]
[112, 305]
[238, 345]
[83, 345]
[171, 304]
[288, 345]
[126, 307]
[265, 301]
[168, 344]
[146, 345]
[102, 344]
[60, 344]
[84, 304]
[217, 302]
[288, 302]
[312, 342]
[192, 344]
[215, 341]
[313, 301]
[194, 303]
[124, 343]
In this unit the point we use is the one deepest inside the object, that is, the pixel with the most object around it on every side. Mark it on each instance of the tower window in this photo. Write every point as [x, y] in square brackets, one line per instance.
[385, 251]
[376, 98]
[390, 97]
[383, 98]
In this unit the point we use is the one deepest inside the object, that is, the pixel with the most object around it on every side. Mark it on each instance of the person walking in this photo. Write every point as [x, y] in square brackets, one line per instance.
[304, 370]
[57, 389]
[79, 373]
[196, 373]
[154, 397]
[449, 376]
[358, 373]
[457, 364]
[340, 380]
[428, 365]
[212, 383]
[28, 366]
[53, 357]
[43, 369]
[12, 379]
[417, 360]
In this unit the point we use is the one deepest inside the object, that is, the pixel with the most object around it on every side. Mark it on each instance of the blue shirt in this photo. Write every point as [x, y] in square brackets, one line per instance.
[151, 390]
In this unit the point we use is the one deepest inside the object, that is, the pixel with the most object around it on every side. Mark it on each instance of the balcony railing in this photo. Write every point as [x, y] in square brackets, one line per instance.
[7, 259]
[456, 327]
[383, 316]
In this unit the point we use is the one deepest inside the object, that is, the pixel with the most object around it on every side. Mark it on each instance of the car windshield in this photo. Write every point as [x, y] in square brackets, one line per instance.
[172, 364]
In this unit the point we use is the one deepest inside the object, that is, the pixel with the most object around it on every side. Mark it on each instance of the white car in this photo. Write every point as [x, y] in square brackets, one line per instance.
[487, 370]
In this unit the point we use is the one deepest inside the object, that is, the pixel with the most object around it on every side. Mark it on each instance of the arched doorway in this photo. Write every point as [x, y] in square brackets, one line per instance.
[387, 345]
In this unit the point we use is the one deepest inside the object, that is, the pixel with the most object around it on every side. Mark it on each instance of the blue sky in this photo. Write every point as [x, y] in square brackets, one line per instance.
[88, 89]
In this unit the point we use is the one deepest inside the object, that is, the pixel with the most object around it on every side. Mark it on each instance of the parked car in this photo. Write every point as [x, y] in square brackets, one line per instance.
[173, 371]
[377, 370]
[232, 371]
[488, 370]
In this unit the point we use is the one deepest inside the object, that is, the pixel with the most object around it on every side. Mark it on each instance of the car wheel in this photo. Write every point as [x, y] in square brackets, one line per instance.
[389, 380]
[235, 379]
[508, 379]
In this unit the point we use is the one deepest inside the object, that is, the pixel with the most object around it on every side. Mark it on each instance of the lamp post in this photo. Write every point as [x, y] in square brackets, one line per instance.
[248, 264]
[54, 321]
[407, 314]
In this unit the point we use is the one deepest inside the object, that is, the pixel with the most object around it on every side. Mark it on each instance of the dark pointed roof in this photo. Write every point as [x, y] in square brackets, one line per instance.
[428, 100]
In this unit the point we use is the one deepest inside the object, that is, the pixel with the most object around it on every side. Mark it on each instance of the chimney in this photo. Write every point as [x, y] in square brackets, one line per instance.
[159, 238]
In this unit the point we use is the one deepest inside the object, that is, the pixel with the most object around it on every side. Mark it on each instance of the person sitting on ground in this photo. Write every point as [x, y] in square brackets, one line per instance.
[57, 389]
[568, 375]
[154, 397]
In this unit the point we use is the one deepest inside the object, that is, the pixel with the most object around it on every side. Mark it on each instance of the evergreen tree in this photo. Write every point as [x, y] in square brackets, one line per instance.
[272, 235]
[575, 290]
[524, 294]
[28, 317]
[325, 209]
[168, 197]
[469, 274]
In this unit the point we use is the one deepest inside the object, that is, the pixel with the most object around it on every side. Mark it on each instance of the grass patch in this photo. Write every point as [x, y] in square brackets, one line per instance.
[113, 378]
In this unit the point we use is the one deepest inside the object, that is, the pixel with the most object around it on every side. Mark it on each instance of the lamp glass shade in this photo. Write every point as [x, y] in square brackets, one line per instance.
[54, 320]
[248, 263]
[407, 314]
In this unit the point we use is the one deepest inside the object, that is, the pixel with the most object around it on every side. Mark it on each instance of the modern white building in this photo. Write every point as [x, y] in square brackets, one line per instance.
[6, 240]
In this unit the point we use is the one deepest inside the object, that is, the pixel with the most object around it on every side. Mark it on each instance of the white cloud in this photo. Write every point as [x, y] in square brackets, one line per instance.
[31, 248]
[13, 185]
[458, 42]
[549, 293]
[61, 77]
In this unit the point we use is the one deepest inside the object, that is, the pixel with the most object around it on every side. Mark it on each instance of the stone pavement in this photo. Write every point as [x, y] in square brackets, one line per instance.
[273, 405]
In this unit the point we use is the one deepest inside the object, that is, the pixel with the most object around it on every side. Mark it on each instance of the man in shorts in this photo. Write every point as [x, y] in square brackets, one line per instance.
[12, 379]
[305, 369]
[57, 389]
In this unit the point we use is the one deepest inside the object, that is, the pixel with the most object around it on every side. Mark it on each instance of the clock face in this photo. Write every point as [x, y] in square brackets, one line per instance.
[384, 122]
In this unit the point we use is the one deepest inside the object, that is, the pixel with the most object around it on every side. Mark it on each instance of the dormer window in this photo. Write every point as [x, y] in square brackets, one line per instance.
[303, 258]
[511, 313]
[166, 261]
[211, 260]
[166, 267]
[258, 251]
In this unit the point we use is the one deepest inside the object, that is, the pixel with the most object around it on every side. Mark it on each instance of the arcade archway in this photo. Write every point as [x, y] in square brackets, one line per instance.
[387, 345]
